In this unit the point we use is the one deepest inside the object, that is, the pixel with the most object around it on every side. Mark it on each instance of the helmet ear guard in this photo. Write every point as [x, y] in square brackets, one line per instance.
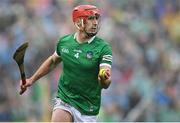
[79, 23]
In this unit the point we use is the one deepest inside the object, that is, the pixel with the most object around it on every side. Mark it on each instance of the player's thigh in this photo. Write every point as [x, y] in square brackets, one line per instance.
[60, 115]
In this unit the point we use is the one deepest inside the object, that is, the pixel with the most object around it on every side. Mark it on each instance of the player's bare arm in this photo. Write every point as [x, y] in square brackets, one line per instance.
[105, 76]
[50, 63]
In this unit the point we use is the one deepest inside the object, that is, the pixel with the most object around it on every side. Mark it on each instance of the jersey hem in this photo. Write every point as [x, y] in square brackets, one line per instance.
[105, 64]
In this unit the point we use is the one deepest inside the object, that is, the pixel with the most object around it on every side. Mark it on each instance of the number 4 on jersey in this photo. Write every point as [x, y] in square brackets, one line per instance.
[76, 55]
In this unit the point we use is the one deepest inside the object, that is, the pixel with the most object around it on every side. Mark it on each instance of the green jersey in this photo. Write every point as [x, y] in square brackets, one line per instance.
[78, 84]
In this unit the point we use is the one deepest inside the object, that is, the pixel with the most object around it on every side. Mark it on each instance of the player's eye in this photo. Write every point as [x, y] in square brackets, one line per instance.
[93, 17]
[97, 16]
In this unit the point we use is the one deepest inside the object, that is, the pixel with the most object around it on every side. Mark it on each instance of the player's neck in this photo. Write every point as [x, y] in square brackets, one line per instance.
[82, 37]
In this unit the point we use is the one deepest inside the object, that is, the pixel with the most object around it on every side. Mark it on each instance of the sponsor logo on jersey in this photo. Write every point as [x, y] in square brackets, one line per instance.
[65, 50]
[91, 108]
[89, 54]
[79, 51]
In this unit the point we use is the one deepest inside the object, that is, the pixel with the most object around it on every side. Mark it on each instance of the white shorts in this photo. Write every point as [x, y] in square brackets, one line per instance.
[77, 116]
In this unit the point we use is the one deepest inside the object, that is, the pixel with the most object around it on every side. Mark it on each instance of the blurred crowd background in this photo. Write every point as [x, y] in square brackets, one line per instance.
[145, 38]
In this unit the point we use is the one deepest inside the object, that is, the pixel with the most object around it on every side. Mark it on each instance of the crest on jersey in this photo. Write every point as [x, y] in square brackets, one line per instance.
[89, 54]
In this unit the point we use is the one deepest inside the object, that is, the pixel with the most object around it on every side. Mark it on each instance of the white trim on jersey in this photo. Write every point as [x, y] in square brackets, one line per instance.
[89, 41]
[55, 53]
[107, 58]
[105, 64]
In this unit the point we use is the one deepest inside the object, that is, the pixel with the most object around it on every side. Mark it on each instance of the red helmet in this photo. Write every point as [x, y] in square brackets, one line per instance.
[84, 11]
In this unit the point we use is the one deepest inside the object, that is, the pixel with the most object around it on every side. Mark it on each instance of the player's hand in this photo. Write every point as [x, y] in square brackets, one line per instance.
[23, 87]
[104, 74]
[104, 78]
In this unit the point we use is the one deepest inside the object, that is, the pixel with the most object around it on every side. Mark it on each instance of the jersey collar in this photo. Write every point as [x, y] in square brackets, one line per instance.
[89, 41]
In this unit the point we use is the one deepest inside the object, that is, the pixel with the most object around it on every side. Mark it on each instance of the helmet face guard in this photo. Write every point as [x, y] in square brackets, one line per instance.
[85, 11]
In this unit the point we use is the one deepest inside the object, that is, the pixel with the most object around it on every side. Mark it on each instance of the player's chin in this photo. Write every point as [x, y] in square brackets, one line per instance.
[91, 34]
